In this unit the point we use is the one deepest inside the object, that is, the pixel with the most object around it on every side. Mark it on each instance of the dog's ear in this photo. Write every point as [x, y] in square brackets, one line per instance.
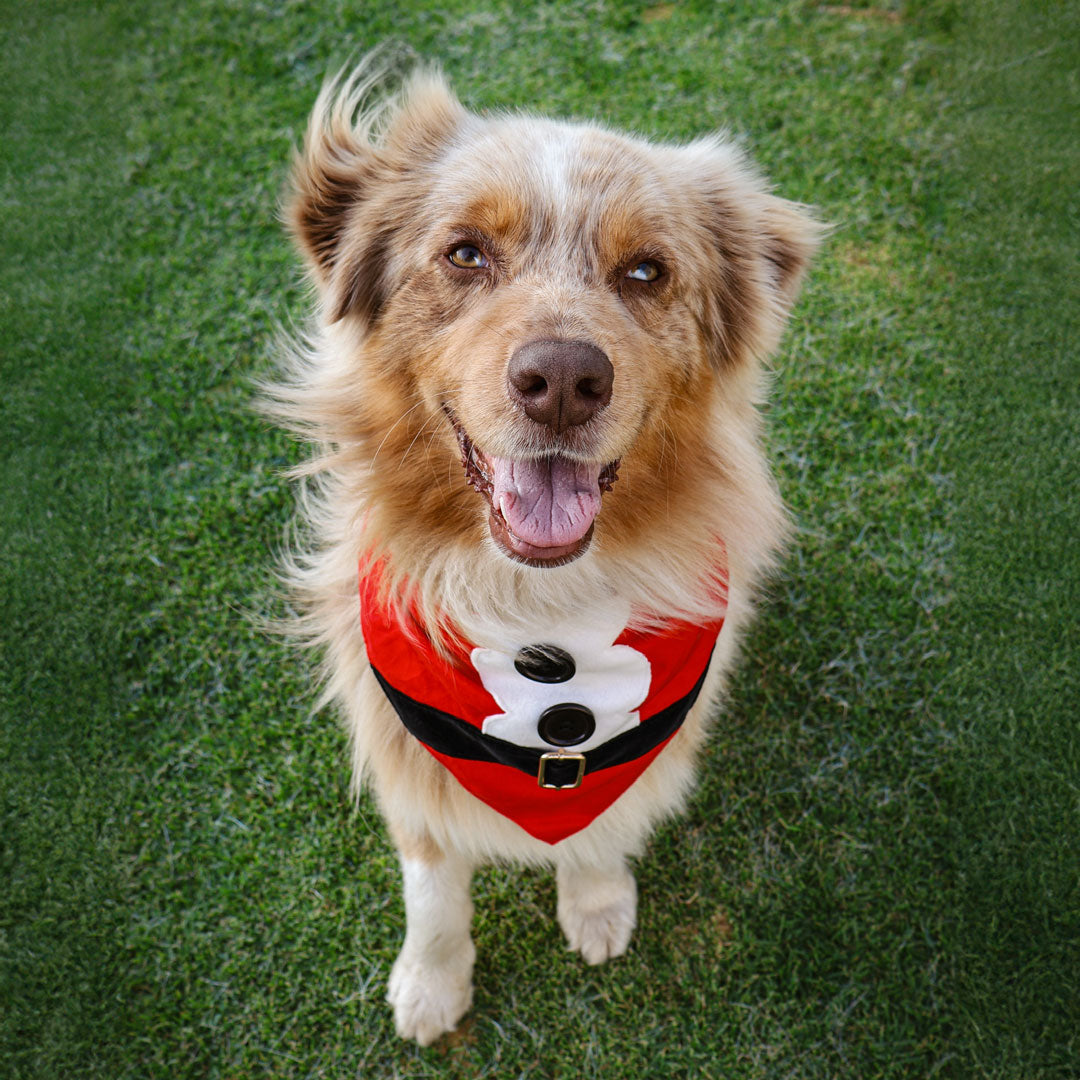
[790, 236]
[349, 184]
[759, 247]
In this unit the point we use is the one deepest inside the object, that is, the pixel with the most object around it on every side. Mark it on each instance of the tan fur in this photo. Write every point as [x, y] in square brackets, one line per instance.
[383, 188]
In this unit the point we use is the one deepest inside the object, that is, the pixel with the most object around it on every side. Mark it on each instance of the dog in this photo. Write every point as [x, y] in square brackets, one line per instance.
[538, 508]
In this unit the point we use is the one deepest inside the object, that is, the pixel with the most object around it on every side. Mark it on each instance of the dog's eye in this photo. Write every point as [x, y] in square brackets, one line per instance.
[644, 271]
[468, 257]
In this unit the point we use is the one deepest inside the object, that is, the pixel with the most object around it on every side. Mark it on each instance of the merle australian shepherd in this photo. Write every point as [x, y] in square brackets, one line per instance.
[537, 507]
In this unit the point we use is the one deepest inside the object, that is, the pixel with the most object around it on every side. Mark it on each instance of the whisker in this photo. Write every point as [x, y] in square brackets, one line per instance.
[412, 443]
[412, 408]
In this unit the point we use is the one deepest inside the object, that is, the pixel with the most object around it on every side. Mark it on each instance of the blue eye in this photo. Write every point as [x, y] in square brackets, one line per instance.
[468, 257]
[644, 271]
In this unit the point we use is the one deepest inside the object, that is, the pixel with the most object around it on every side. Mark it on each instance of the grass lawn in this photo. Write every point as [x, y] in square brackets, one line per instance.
[880, 873]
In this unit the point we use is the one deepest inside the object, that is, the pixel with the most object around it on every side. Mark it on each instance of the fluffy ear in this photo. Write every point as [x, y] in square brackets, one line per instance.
[790, 236]
[349, 181]
[758, 247]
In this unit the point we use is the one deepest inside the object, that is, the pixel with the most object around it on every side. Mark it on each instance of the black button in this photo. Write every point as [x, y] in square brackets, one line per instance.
[566, 725]
[545, 663]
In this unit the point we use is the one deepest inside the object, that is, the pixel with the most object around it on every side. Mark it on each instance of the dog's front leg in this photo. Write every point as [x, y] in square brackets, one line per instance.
[431, 981]
[597, 908]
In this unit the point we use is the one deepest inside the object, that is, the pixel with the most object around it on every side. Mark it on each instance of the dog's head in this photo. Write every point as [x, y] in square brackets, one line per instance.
[527, 315]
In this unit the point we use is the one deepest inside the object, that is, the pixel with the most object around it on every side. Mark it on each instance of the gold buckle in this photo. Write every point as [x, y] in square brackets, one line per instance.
[560, 755]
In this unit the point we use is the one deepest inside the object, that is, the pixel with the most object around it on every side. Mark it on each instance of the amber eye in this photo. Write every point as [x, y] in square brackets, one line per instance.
[468, 257]
[644, 271]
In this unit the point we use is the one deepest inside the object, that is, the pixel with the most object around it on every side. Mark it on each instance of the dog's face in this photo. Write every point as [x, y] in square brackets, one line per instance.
[530, 311]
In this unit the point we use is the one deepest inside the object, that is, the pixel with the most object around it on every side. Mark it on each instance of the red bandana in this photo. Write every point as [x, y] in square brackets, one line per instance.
[606, 692]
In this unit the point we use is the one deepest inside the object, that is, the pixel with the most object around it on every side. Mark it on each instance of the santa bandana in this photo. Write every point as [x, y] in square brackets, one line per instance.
[547, 725]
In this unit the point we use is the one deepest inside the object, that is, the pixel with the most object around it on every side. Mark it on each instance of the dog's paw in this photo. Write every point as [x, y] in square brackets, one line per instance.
[429, 1000]
[598, 916]
[599, 935]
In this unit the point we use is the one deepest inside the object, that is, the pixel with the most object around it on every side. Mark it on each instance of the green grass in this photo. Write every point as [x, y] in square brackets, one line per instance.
[878, 876]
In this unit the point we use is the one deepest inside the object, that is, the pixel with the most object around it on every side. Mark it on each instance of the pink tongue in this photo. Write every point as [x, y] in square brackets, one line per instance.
[547, 503]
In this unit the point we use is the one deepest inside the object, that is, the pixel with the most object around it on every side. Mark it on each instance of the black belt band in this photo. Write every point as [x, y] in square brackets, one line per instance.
[452, 736]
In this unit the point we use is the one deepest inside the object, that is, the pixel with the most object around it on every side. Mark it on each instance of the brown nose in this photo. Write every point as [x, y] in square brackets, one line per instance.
[560, 383]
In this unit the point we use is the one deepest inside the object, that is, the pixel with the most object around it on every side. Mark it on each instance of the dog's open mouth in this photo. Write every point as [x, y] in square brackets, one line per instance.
[542, 509]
